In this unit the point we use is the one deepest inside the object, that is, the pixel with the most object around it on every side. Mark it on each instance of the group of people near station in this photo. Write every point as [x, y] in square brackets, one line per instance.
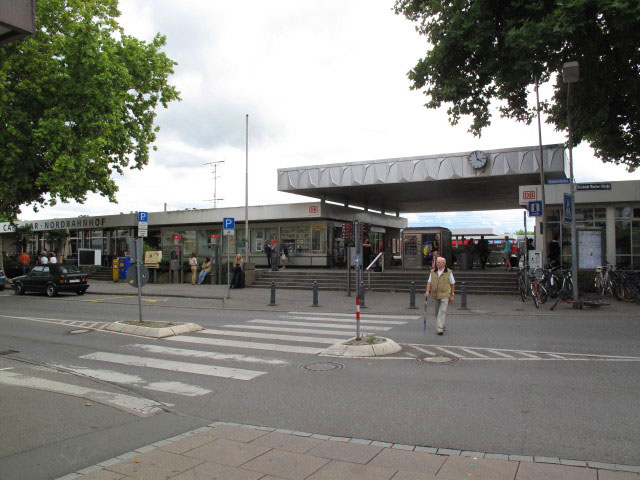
[237, 279]
[43, 259]
[277, 255]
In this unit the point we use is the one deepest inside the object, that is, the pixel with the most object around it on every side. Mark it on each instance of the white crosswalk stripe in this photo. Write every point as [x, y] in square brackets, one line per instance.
[364, 315]
[270, 336]
[329, 325]
[351, 319]
[344, 333]
[184, 367]
[182, 352]
[250, 345]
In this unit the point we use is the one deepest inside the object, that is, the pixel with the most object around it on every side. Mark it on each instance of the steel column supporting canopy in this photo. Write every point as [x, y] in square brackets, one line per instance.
[430, 183]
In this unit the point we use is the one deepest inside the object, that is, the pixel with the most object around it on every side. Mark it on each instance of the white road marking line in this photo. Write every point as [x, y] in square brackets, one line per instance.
[254, 345]
[329, 325]
[57, 321]
[502, 354]
[540, 352]
[292, 330]
[270, 336]
[424, 350]
[529, 355]
[559, 357]
[138, 406]
[183, 367]
[365, 315]
[447, 351]
[178, 388]
[352, 319]
[203, 354]
[473, 352]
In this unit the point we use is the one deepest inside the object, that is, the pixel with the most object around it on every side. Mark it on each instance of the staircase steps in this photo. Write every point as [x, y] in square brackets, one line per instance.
[476, 282]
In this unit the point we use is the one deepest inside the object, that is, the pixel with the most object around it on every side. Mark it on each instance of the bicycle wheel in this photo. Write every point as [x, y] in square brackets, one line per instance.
[522, 289]
[552, 285]
[618, 289]
[541, 293]
[629, 291]
[534, 294]
[599, 284]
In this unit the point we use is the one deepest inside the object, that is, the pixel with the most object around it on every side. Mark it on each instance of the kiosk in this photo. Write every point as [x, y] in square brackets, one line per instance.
[419, 243]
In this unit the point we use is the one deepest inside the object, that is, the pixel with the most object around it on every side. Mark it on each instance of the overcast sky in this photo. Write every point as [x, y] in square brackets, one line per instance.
[322, 82]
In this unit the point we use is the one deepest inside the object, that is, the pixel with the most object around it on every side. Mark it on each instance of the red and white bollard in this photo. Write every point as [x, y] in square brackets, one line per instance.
[358, 317]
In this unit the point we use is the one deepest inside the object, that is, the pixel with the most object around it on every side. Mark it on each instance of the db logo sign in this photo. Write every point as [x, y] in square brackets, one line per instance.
[529, 195]
[313, 209]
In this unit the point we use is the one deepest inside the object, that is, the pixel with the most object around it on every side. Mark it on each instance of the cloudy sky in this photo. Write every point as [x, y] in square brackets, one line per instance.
[322, 82]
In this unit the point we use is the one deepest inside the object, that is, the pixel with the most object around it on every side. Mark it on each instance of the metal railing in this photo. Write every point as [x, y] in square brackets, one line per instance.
[368, 269]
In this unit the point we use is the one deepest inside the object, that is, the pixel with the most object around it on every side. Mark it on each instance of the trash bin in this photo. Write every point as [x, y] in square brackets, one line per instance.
[123, 265]
[465, 261]
[116, 274]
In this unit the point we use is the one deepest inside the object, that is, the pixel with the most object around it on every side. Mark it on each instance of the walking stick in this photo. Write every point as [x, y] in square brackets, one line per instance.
[424, 323]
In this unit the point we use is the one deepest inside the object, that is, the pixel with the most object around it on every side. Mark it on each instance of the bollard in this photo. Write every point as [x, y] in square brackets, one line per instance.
[412, 296]
[315, 293]
[272, 303]
[463, 297]
[362, 305]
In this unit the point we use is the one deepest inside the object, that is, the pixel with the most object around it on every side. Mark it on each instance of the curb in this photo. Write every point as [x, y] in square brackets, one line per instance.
[153, 332]
[387, 347]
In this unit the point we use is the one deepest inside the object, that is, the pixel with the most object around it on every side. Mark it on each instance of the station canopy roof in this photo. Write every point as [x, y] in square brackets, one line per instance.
[429, 183]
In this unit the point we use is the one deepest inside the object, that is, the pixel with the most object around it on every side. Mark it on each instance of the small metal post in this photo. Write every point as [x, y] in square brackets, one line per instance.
[362, 305]
[315, 293]
[463, 297]
[272, 303]
[412, 296]
[348, 270]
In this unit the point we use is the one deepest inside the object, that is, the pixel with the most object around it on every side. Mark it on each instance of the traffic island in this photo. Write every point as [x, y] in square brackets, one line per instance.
[366, 346]
[153, 329]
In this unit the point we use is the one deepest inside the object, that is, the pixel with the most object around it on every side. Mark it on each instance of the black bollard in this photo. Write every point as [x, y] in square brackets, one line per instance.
[463, 297]
[412, 296]
[272, 303]
[362, 305]
[315, 293]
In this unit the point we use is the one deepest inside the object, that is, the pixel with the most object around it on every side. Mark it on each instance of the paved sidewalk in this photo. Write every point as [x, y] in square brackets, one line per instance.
[338, 301]
[248, 452]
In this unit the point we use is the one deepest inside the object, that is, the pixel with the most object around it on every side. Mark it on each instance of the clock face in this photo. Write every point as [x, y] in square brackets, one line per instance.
[478, 159]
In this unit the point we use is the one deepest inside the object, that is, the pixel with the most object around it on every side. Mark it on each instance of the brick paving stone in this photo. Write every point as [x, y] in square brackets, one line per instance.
[427, 449]
[320, 437]
[405, 475]
[609, 475]
[237, 434]
[606, 466]
[521, 458]
[448, 451]
[153, 465]
[381, 444]
[401, 446]
[574, 463]
[103, 475]
[352, 471]
[555, 460]
[340, 439]
[294, 466]
[347, 452]
[496, 456]
[628, 468]
[227, 452]
[537, 471]
[465, 467]
[287, 442]
[360, 441]
[216, 471]
[93, 468]
[472, 454]
[411, 461]
[187, 443]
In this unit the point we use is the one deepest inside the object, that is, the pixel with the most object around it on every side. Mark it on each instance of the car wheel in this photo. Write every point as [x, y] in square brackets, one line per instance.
[80, 292]
[51, 290]
[19, 289]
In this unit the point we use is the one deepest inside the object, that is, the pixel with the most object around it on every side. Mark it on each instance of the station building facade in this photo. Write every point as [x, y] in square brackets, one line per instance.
[313, 232]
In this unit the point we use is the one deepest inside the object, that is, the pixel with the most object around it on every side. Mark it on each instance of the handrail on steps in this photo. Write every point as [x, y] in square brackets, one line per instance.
[381, 254]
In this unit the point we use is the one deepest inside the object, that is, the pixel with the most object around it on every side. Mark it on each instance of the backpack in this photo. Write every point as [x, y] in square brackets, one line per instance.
[267, 248]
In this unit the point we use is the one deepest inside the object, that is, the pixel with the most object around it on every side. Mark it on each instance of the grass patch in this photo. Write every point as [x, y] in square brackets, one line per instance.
[150, 324]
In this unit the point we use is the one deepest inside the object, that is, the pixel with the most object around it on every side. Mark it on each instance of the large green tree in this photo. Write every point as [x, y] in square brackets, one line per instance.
[77, 104]
[484, 52]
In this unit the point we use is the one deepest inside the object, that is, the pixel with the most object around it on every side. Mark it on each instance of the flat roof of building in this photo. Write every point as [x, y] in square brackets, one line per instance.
[428, 183]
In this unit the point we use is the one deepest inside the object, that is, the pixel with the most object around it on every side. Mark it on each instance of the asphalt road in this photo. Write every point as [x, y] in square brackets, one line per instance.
[578, 399]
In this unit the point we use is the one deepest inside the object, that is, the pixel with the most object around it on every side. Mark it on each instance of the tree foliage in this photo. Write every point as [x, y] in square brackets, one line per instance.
[77, 104]
[485, 51]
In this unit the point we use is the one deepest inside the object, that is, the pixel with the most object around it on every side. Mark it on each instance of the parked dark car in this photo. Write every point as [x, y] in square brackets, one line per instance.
[3, 279]
[52, 279]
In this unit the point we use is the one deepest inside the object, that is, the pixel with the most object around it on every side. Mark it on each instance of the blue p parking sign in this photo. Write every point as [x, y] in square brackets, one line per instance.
[229, 223]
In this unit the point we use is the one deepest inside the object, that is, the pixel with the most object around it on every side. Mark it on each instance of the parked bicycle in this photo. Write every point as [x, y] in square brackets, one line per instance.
[566, 295]
[607, 281]
[529, 285]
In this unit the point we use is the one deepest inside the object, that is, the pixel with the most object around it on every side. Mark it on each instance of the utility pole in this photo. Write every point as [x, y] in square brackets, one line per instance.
[215, 198]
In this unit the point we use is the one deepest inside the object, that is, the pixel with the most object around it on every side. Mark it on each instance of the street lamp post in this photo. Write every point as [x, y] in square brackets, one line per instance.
[571, 74]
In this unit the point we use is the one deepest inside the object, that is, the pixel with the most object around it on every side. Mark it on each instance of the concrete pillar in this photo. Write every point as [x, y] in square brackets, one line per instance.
[610, 236]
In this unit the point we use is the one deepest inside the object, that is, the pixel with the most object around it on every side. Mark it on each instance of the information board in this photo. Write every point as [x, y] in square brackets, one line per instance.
[590, 249]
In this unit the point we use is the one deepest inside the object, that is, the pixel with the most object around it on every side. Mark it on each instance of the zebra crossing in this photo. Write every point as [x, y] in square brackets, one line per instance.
[483, 353]
[145, 365]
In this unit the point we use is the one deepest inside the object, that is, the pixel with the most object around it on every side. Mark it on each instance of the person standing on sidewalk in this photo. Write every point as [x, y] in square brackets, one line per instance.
[275, 255]
[25, 260]
[193, 263]
[206, 270]
[442, 285]
[483, 251]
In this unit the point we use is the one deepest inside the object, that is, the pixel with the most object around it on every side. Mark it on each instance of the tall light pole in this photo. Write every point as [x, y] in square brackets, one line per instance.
[571, 74]
[247, 240]
[543, 247]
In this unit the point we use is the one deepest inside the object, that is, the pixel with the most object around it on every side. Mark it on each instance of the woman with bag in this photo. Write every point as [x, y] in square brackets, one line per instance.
[284, 254]
[238, 273]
